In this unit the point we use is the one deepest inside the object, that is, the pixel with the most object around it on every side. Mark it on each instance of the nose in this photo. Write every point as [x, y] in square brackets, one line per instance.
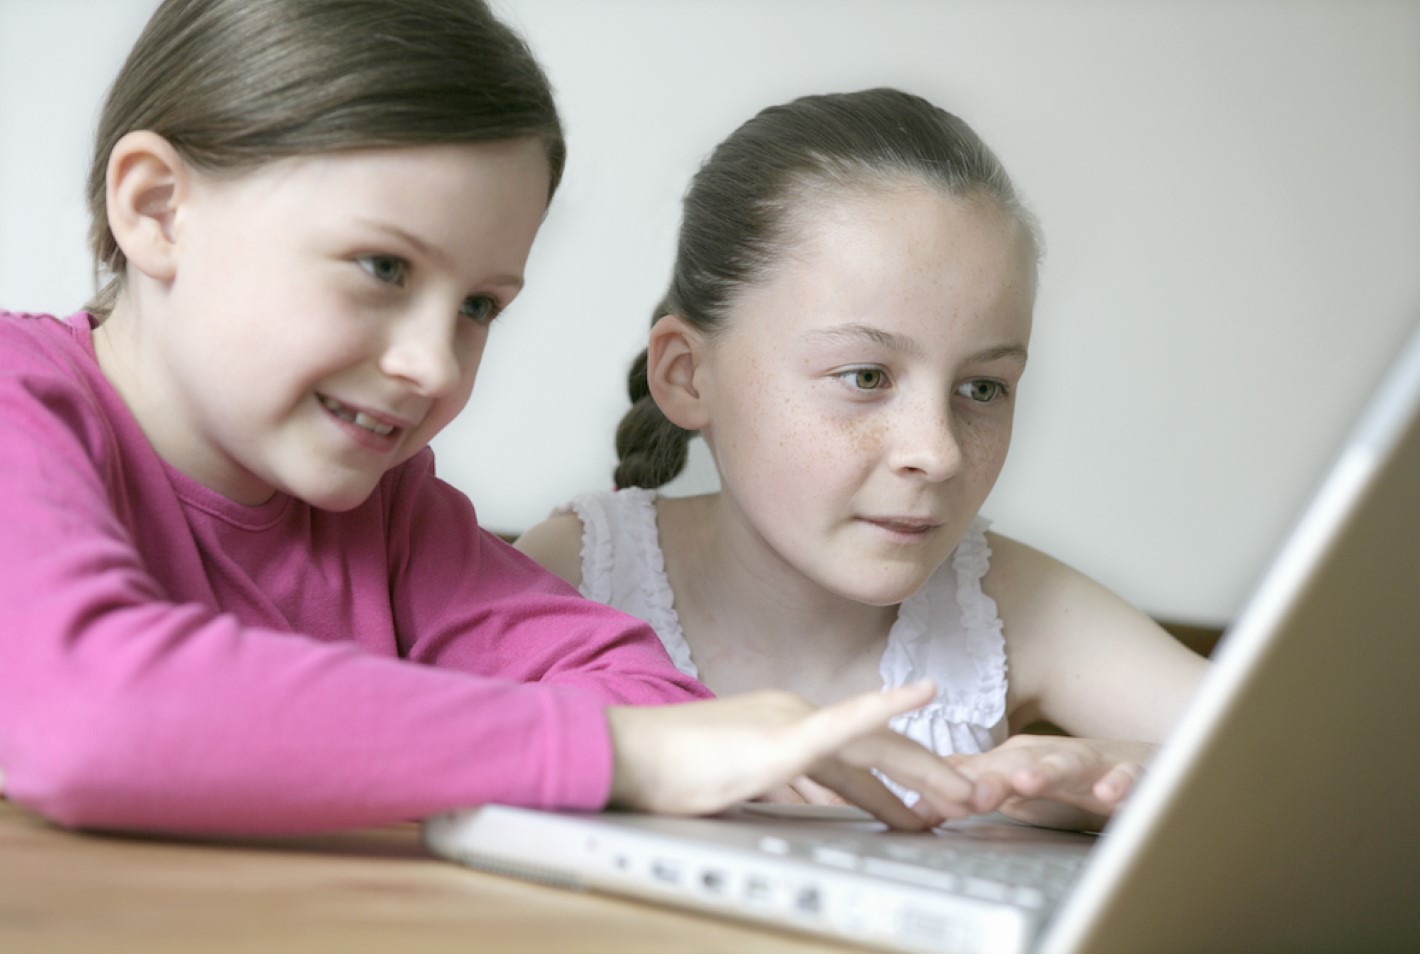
[420, 350]
[925, 443]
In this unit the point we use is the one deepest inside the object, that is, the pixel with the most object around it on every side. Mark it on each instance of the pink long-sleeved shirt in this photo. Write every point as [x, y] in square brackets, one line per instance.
[173, 661]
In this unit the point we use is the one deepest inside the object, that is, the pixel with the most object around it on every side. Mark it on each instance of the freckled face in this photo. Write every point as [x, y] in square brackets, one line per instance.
[860, 400]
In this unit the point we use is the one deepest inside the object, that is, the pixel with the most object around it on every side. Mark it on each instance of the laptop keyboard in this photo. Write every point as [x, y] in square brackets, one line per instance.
[975, 867]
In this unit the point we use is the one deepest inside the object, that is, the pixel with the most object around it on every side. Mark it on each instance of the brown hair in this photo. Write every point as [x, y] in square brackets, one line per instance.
[739, 214]
[234, 84]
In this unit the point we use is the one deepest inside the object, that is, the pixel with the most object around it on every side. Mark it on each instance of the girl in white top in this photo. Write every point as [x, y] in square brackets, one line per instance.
[847, 325]
[947, 631]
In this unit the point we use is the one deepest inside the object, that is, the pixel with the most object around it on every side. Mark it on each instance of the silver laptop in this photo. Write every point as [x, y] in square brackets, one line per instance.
[1282, 814]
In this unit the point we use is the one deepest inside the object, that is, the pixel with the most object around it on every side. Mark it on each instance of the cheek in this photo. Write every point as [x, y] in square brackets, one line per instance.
[761, 441]
[818, 455]
[470, 360]
[857, 438]
[986, 446]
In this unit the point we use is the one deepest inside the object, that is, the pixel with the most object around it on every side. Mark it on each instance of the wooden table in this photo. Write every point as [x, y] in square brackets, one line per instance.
[376, 890]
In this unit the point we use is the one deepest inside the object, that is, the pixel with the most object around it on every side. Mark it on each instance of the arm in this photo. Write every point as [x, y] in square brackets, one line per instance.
[469, 601]
[1082, 657]
[556, 543]
[124, 707]
[1086, 660]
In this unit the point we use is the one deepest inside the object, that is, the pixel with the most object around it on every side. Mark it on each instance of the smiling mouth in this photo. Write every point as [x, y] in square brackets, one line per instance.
[358, 418]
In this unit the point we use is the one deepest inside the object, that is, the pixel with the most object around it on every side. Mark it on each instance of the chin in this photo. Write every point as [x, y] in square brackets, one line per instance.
[886, 593]
[334, 499]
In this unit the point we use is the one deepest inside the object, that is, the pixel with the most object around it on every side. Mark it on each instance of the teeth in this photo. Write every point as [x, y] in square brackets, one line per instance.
[358, 418]
[370, 424]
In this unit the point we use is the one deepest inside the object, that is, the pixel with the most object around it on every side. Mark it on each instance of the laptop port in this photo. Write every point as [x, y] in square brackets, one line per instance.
[667, 871]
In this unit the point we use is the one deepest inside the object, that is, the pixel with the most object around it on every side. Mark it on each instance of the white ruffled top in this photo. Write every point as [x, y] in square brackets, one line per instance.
[948, 631]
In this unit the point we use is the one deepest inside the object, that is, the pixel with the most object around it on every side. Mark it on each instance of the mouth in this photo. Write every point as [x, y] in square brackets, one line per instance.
[915, 526]
[362, 419]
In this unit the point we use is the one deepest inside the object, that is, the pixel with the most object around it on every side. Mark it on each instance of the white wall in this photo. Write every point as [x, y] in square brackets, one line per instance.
[1230, 193]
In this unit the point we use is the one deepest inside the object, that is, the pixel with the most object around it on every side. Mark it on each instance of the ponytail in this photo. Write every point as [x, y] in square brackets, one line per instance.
[739, 218]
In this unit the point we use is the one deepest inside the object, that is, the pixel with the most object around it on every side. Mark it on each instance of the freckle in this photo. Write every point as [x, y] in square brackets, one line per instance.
[864, 438]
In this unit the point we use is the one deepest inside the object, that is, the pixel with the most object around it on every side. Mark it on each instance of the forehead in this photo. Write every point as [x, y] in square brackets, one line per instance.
[386, 173]
[902, 215]
[891, 251]
[488, 196]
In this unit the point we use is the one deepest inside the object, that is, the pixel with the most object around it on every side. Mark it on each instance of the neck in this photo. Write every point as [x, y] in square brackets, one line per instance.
[745, 609]
[115, 350]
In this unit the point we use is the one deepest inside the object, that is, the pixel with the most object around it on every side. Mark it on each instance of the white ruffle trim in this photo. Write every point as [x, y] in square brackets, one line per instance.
[656, 605]
[969, 712]
[598, 556]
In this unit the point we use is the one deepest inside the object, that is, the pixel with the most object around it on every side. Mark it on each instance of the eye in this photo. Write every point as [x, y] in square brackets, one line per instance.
[982, 390]
[865, 379]
[480, 308]
[388, 269]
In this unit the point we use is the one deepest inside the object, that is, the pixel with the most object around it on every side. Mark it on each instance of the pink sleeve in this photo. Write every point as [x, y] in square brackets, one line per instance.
[122, 709]
[470, 601]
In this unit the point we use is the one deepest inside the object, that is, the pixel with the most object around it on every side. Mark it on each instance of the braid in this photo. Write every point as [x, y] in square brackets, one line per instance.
[650, 449]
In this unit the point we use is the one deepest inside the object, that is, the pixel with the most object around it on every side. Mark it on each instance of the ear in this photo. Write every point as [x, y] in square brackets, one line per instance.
[675, 357]
[147, 182]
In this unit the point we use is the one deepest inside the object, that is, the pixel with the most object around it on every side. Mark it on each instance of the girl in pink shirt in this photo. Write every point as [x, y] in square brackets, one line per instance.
[234, 595]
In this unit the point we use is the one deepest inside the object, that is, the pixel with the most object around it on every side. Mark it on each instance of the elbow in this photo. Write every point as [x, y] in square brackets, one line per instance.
[72, 778]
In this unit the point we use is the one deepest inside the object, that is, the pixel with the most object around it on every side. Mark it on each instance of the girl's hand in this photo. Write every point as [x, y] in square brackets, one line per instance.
[810, 792]
[802, 791]
[1055, 781]
[703, 757]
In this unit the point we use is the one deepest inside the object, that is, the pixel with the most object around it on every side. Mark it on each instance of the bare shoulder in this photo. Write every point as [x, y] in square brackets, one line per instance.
[1027, 582]
[556, 543]
[1080, 654]
[1013, 562]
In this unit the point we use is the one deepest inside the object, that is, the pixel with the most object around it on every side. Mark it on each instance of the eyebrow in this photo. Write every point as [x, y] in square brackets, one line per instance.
[906, 345]
[1010, 352]
[430, 251]
[877, 336]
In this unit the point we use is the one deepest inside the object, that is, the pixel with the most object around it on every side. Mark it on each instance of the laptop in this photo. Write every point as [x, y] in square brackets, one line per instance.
[1282, 813]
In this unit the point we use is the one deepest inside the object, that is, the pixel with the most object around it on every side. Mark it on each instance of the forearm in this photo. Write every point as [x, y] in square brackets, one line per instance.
[240, 731]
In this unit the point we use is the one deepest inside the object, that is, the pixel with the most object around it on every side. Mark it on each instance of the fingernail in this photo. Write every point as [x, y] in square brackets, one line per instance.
[922, 810]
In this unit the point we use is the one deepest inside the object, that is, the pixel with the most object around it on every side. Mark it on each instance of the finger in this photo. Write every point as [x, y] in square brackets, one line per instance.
[834, 726]
[944, 792]
[997, 775]
[1056, 772]
[1002, 773]
[1034, 781]
[815, 794]
[780, 795]
[1117, 783]
[855, 728]
[860, 787]
[990, 790]
[949, 793]
[851, 738]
